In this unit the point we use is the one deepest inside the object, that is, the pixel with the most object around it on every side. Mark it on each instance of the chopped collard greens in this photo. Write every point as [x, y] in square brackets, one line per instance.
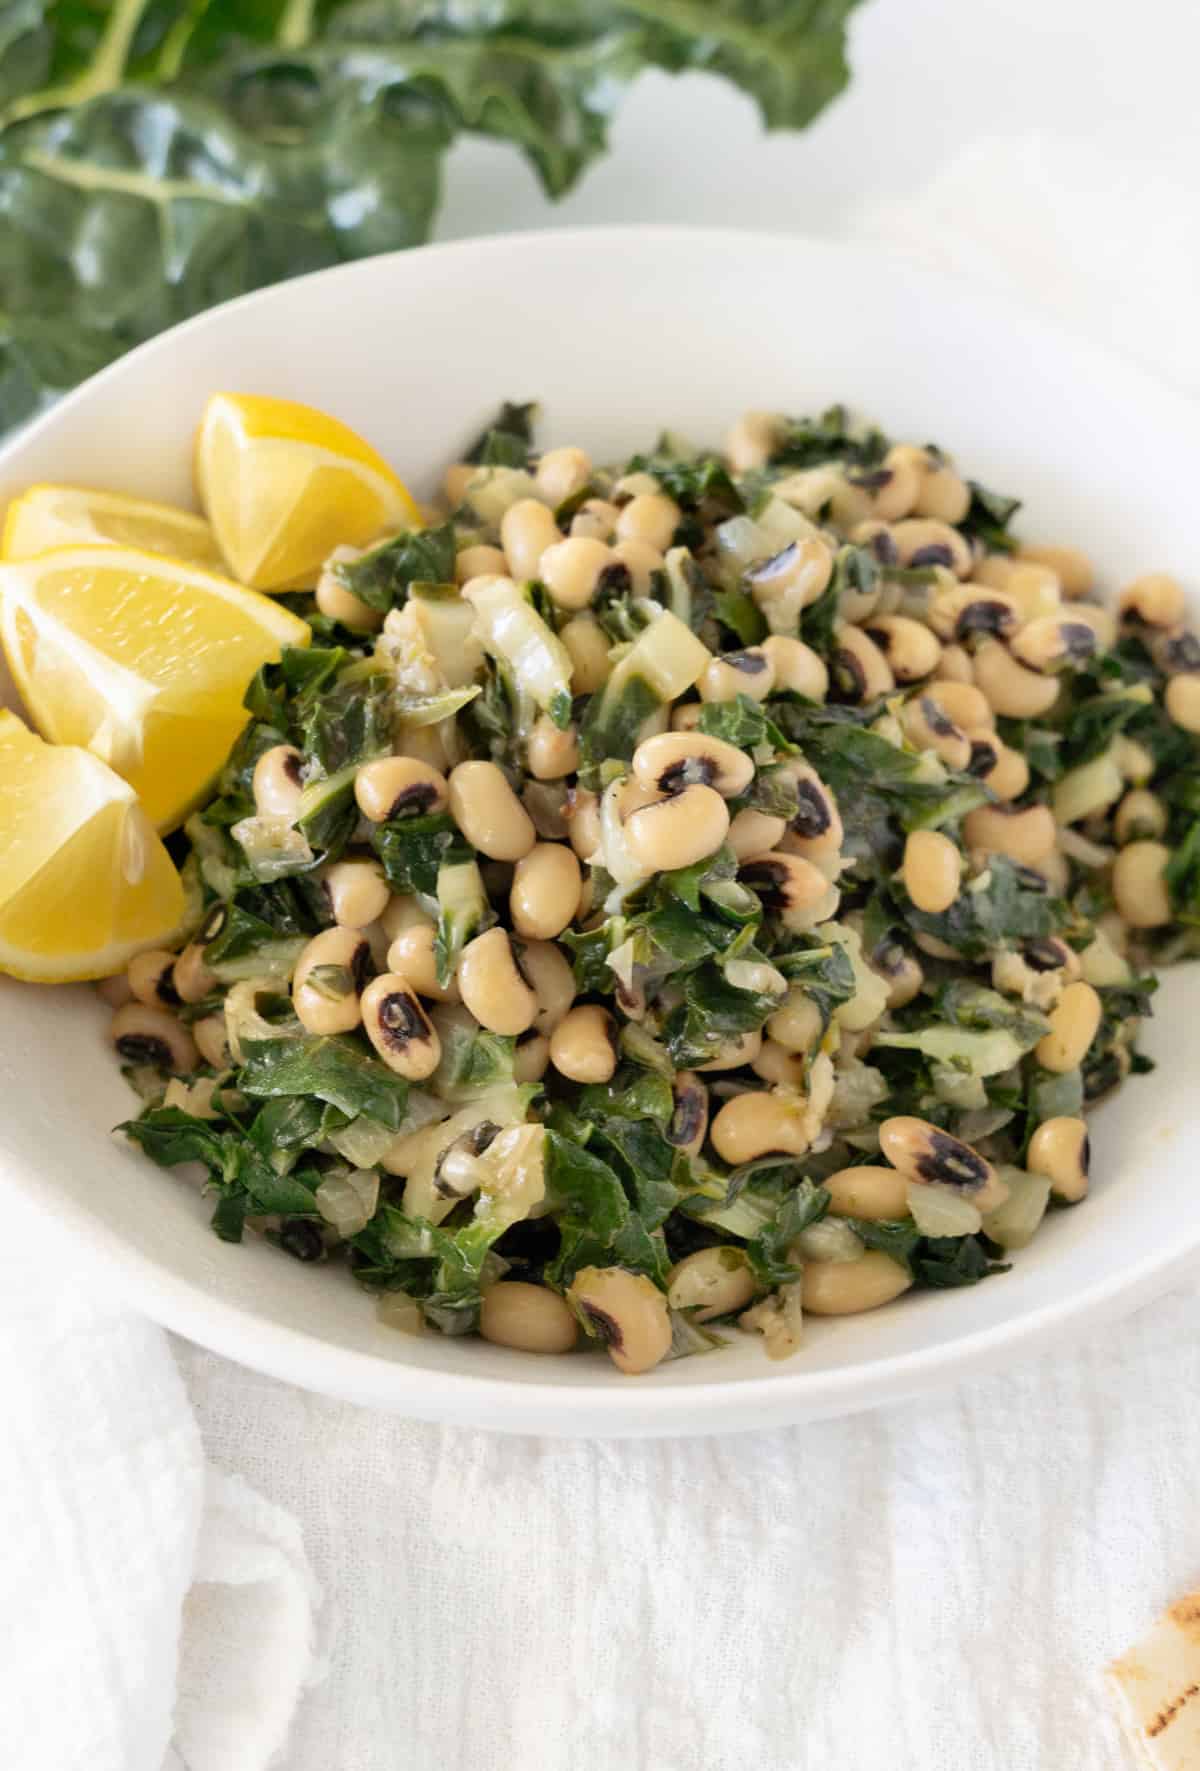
[682, 896]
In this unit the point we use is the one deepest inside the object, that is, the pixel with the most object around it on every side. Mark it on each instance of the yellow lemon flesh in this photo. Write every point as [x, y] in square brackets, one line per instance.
[283, 484]
[84, 881]
[142, 660]
[65, 516]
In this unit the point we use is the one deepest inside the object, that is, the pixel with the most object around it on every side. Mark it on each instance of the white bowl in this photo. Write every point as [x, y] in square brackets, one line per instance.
[619, 332]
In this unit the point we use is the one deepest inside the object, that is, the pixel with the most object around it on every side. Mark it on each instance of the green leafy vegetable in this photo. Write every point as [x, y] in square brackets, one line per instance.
[157, 156]
[414, 850]
[336, 1069]
[381, 577]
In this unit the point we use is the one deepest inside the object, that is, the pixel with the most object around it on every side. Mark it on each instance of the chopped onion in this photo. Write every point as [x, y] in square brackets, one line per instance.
[396, 1309]
[348, 1201]
[831, 1240]
[939, 1211]
[1012, 1224]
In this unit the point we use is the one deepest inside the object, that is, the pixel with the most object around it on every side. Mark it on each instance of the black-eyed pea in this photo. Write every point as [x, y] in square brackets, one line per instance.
[922, 541]
[1139, 885]
[674, 760]
[561, 473]
[1182, 701]
[1026, 835]
[798, 670]
[912, 651]
[1010, 688]
[966, 705]
[146, 1035]
[573, 570]
[650, 518]
[928, 726]
[551, 753]
[211, 1040]
[479, 562]
[932, 870]
[815, 827]
[934, 948]
[1061, 1150]
[545, 891]
[582, 813]
[488, 812]
[846, 1288]
[191, 976]
[752, 441]
[527, 530]
[881, 494]
[356, 890]
[868, 1192]
[969, 610]
[398, 1027]
[1035, 590]
[528, 1318]
[1140, 816]
[330, 975]
[339, 603]
[399, 787]
[531, 1059]
[924, 1152]
[797, 1024]
[588, 647]
[642, 562]
[1103, 624]
[679, 830]
[1053, 642]
[712, 1282]
[583, 1047]
[1073, 1026]
[151, 978]
[790, 885]
[780, 1067]
[626, 1313]
[954, 666]
[596, 519]
[492, 987]
[403, 911]
[1070, 565]
[730, 674]
[1154, 600]
[944, 495]
[1007, 774]
[858, 672]
[277, 782]
[985, 752]
[413, 954]
[900, 971]
[759, 1124]
[754, 833]
[735, 1052]
[688, 1124]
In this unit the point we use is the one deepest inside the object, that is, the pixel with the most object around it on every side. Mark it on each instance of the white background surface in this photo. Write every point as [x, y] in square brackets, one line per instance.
[928, 1589]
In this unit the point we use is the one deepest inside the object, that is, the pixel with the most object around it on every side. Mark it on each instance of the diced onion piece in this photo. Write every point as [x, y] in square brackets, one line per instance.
[509, 627]
[937, 1211]
[396, 1309]
[1012, 1224]
[830, 1240]
[1086, 790]
[348, 1202]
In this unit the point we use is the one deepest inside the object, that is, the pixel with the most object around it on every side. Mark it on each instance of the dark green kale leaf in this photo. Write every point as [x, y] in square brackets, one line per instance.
[804, 1204]
[988, 517]
[507, 440]
[808, 442]
[712, 1014]
[338, 1069]
[381, 577]
[413, 849]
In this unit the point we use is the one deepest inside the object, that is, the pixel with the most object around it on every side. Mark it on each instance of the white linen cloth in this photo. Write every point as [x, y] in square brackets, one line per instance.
[226, 1574]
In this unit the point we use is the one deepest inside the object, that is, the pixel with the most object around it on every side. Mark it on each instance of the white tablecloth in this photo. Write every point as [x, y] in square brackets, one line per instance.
[933, 1588]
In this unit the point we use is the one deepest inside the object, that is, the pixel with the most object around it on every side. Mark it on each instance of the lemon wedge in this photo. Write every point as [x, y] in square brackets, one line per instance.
[64, 516]
[140, 659]
[283, 484]
[84, 881]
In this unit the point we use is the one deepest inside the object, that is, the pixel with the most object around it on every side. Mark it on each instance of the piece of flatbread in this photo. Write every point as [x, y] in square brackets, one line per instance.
[1156, 1689]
